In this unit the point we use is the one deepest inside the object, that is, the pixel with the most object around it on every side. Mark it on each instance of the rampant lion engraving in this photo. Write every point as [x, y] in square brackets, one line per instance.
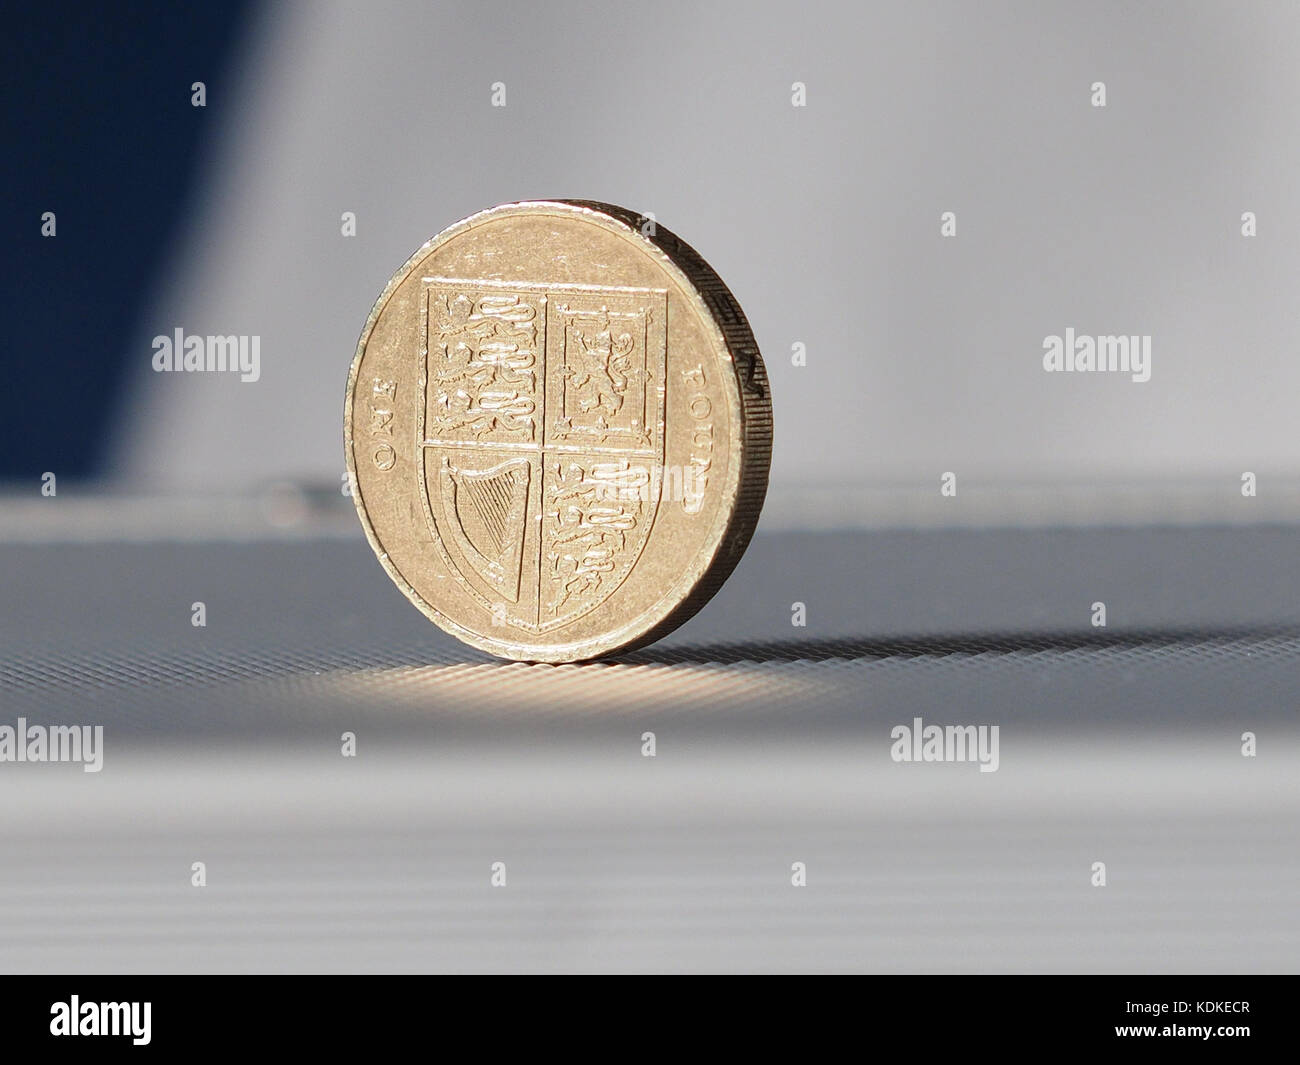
[600, 378]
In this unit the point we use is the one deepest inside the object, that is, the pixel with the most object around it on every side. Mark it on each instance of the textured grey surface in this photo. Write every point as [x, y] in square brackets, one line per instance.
[222, 745]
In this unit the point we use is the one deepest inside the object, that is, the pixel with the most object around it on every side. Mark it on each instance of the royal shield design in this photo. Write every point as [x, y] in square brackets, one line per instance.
[541, 438]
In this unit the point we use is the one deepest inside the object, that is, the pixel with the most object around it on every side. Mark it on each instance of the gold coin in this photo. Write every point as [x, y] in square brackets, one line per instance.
[558, 430]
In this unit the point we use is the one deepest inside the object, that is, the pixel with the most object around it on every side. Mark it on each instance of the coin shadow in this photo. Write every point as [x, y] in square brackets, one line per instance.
[947, 645]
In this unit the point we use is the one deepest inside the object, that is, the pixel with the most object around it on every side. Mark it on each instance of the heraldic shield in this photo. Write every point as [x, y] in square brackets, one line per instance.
[541, 439]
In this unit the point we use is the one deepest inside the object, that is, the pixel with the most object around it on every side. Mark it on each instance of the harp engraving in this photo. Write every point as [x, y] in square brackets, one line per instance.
[489, 508]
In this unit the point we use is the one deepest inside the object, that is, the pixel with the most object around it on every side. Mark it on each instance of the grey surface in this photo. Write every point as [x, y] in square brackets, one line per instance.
[923, 353]
[301, 632]
[222, 745]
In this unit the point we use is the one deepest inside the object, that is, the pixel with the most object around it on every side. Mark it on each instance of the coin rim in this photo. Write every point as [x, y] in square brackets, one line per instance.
[749, 441]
